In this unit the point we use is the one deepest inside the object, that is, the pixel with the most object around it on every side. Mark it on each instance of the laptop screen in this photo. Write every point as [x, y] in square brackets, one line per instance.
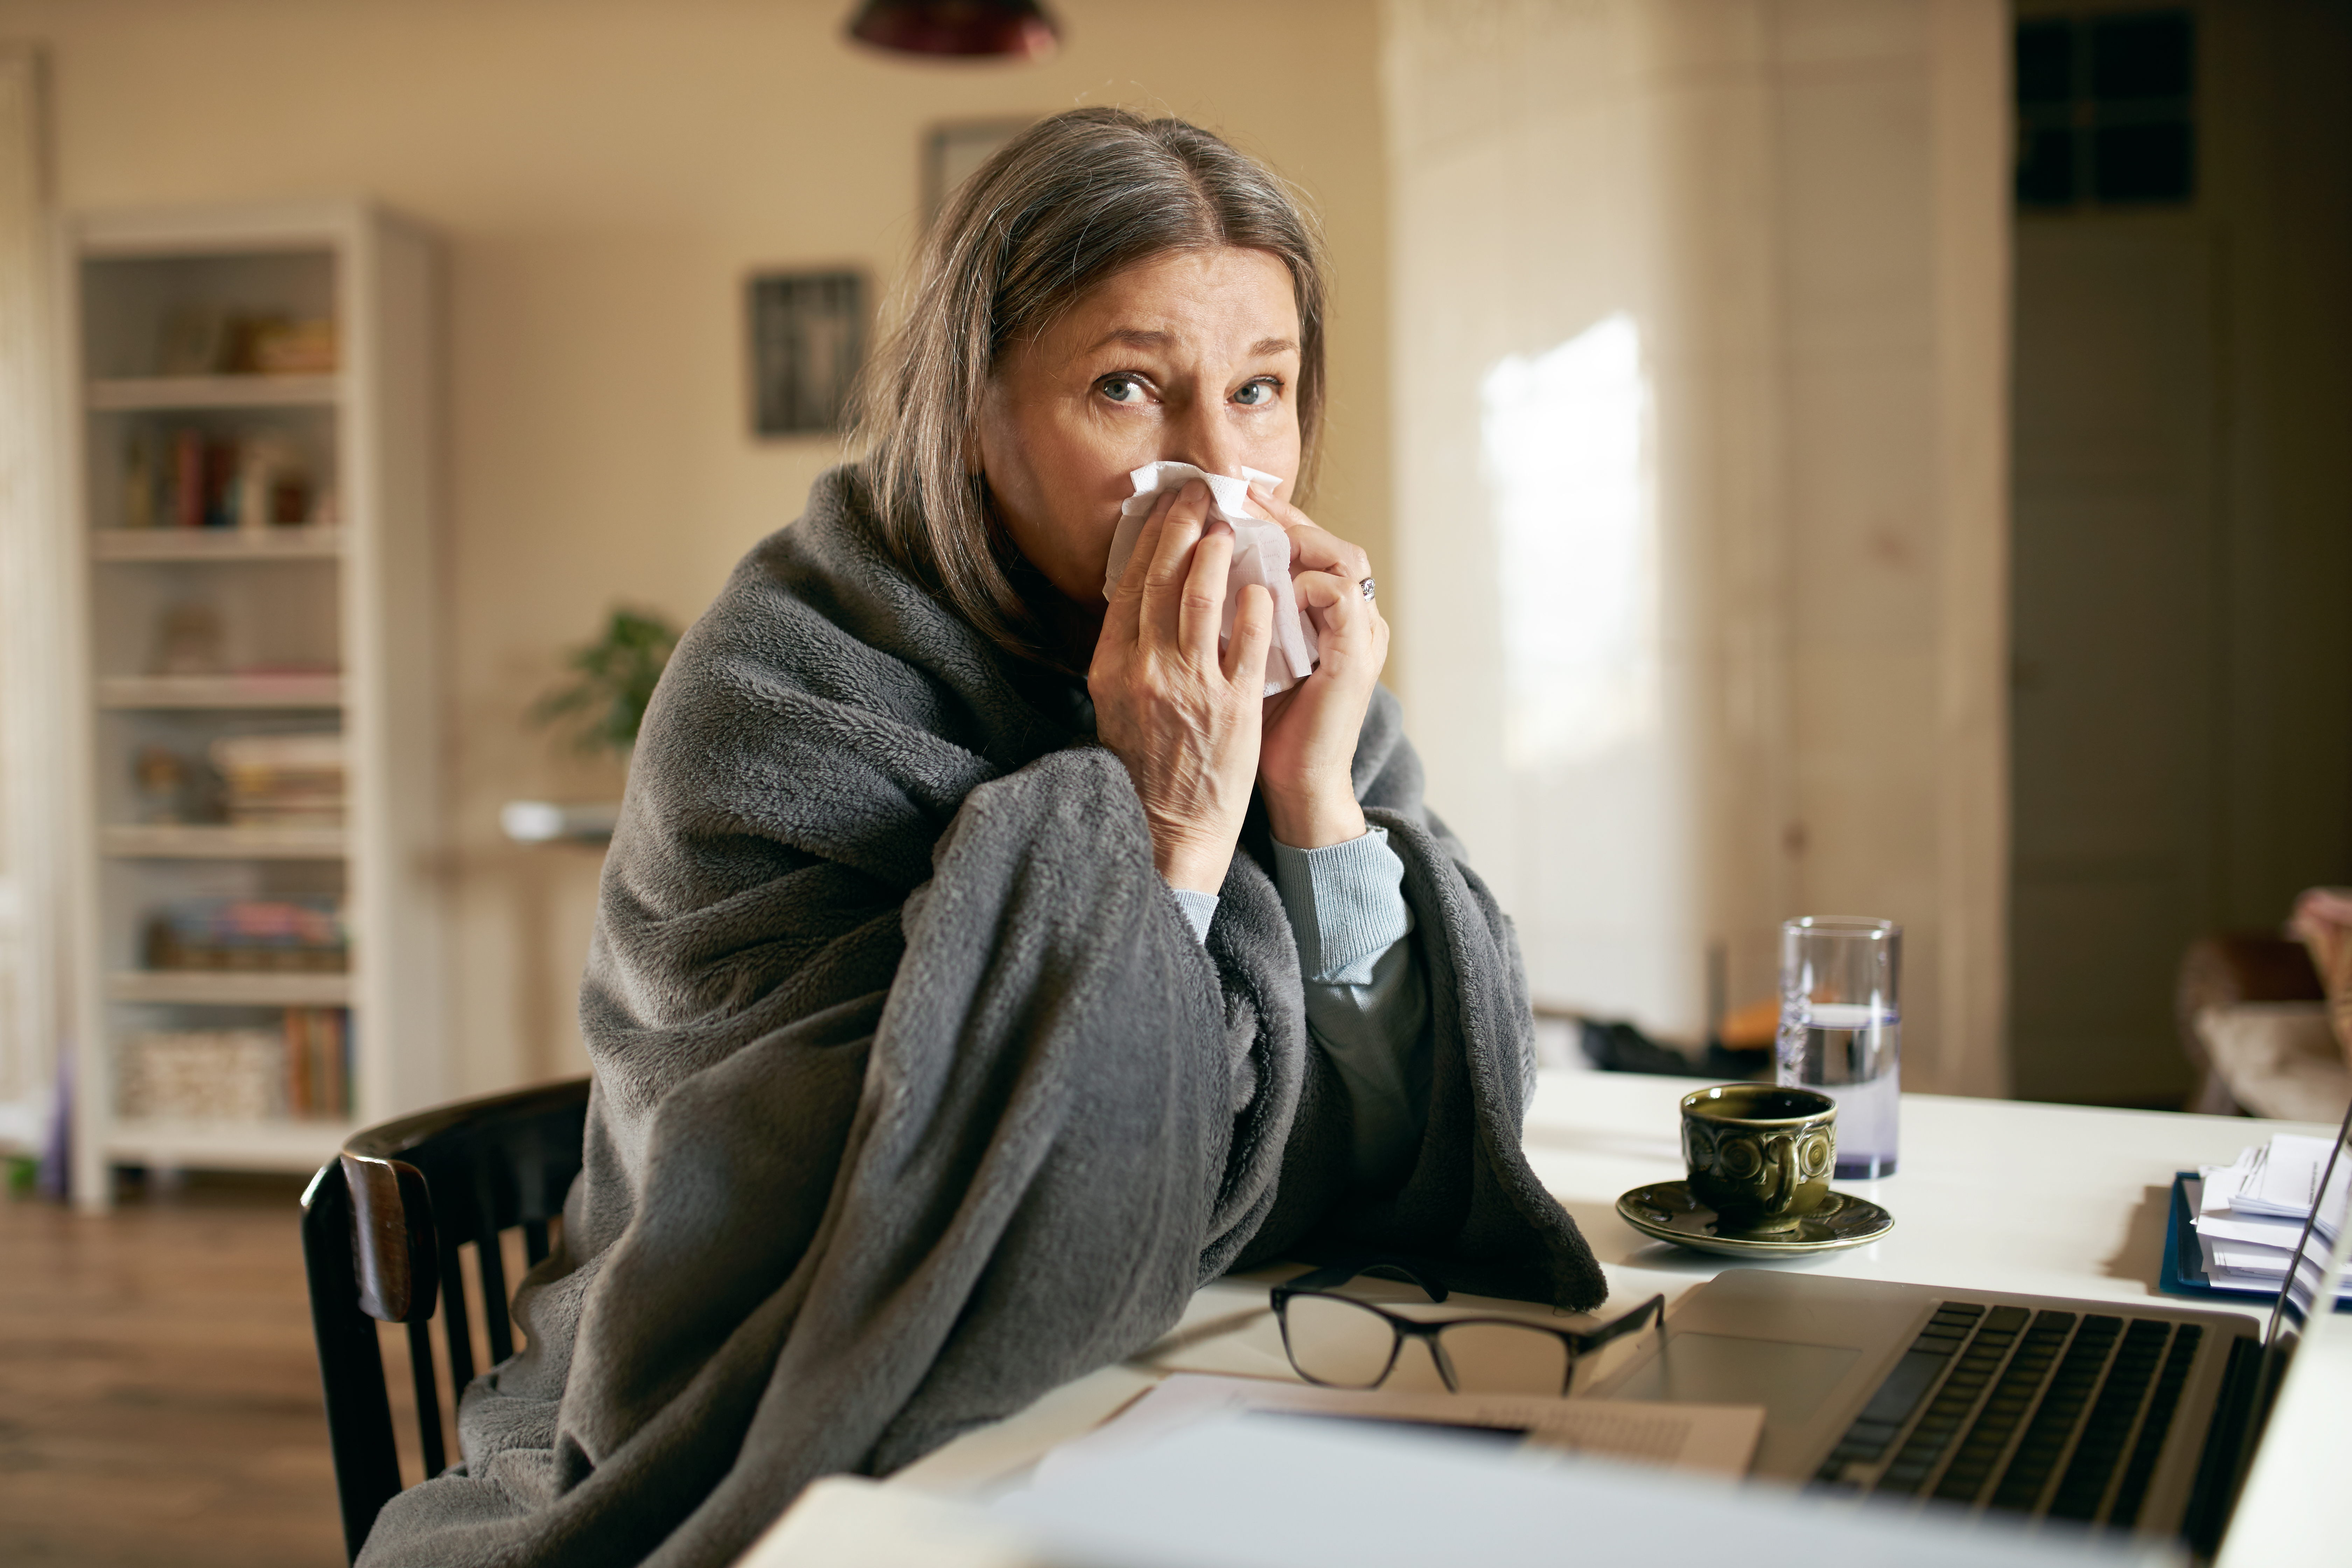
[2292, 1472]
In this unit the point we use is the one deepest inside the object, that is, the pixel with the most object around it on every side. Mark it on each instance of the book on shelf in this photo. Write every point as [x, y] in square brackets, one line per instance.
[198, 339]
[296, 780]
[277, 346]
[283, 781]
[302, 1069]
[188, 480]
[317, 1052]
[280, 935]
[254, 482]
[201, 1074]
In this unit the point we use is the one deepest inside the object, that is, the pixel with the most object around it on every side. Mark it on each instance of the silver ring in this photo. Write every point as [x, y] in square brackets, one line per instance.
[1367, 586]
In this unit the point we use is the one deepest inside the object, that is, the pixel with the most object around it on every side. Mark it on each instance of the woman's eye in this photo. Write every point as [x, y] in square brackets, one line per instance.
[1256, 393]
[1123, 389]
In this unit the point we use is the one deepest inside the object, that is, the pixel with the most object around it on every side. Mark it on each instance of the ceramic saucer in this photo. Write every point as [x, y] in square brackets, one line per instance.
[1668, 1212]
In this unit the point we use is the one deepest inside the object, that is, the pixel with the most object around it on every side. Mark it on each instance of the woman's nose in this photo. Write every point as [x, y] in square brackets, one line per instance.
[1204, 438]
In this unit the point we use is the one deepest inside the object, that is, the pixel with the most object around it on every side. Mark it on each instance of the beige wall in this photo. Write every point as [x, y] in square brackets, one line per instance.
[604, 174]
[1801, 204]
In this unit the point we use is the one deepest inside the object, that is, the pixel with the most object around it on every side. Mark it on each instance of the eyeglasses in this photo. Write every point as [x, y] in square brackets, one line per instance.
[1339, 1342]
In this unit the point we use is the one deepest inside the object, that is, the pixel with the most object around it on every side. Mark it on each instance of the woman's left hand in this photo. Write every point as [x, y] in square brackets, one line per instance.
[1308, 750]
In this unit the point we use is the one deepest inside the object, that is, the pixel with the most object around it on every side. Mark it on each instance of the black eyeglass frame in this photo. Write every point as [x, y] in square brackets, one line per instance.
[1326, 1281]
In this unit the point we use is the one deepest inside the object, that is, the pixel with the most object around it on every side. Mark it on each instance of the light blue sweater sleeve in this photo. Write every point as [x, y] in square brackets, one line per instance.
[1198, 907]
[1366, 1003]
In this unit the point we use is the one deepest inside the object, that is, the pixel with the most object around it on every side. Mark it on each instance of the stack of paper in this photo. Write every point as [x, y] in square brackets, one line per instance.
[2251, 1214]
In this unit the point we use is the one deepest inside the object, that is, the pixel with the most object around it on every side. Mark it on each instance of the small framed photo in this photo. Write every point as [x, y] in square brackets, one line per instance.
[808, 338]
[952, 151]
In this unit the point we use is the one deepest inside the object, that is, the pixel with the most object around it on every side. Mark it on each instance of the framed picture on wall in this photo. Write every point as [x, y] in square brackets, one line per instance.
[808, 337]
[953, 150]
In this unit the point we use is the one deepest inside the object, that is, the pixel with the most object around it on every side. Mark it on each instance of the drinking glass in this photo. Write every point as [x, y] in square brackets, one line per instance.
[1842, 1030]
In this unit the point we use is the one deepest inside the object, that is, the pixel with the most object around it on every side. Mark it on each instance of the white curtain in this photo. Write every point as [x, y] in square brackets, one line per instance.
[32, 629]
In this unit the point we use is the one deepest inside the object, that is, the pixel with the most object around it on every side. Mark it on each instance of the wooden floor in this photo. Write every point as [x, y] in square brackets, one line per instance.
[159, 1399]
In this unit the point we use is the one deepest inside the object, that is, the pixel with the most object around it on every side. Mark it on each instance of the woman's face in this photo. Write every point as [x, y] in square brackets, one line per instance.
[1192, 357]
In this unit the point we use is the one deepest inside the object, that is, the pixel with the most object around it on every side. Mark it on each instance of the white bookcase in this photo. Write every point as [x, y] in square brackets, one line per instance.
[293, 596]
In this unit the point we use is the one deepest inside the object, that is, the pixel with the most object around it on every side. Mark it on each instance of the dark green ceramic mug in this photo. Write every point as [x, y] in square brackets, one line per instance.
[1760, 1155]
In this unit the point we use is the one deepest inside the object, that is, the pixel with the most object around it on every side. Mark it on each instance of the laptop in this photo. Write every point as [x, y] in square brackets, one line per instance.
[2143, 1418]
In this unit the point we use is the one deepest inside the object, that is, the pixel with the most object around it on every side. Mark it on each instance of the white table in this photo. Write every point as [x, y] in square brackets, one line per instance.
[1996, 1194]
[2055, 1200]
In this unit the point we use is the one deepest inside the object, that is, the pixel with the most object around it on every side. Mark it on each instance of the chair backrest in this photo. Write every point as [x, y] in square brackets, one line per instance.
[382, 1225]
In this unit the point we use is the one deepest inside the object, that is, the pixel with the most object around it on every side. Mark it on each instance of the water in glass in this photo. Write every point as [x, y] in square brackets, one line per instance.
[1851, 1051]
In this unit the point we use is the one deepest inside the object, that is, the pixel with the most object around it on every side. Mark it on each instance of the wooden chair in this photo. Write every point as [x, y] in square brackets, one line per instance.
[381, 1228]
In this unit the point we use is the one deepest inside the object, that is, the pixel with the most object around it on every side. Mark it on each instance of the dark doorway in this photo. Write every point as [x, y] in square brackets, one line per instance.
[2181, 719]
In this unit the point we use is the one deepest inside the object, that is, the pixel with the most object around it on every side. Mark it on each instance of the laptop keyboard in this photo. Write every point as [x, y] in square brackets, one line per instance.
[2046, 1411]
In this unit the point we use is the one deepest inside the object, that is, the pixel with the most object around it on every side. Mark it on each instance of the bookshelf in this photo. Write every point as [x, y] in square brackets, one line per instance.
[250, 482]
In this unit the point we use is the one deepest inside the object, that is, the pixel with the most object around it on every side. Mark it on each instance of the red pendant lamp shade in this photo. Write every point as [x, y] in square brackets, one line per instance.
[1018, 29]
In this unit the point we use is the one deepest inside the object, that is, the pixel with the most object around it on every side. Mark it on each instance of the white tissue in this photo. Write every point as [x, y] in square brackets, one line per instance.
[1261, 555]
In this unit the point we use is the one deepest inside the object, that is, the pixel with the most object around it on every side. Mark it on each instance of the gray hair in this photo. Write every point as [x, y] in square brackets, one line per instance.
[1062, 208]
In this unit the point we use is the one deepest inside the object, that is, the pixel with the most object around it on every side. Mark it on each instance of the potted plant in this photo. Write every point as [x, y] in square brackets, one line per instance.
[613, 680]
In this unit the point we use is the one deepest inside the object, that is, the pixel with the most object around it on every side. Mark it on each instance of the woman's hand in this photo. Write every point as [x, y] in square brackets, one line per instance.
[1184, 722]
[1305, 759]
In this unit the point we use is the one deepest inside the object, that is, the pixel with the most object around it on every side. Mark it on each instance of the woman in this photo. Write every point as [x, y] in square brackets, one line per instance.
[983, 966]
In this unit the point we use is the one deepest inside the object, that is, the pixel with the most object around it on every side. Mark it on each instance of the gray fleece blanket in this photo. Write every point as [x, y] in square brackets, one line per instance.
[915, 1094]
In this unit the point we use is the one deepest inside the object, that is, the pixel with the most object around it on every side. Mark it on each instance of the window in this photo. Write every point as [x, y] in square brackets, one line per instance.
[2104, 111]
[1567, 460]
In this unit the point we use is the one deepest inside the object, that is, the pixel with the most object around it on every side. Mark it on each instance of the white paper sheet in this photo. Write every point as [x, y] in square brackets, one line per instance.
[2286, 1178]
[1242, 1491]
[2217, 1220]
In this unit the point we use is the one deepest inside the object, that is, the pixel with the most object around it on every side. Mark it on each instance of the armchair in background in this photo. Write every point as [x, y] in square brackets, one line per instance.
[2265, 1019]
